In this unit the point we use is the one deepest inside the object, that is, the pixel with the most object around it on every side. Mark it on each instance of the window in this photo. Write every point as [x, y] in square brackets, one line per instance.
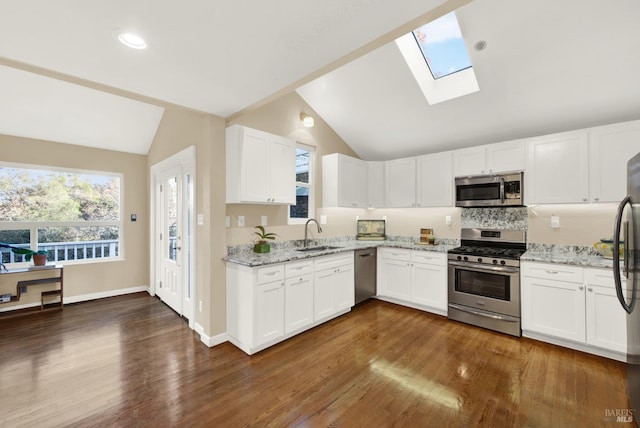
[305, 171]
[437, 57]
[70, 214]
[442, 46]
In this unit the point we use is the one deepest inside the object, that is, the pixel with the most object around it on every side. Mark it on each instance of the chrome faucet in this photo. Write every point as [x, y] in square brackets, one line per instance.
[306, 229]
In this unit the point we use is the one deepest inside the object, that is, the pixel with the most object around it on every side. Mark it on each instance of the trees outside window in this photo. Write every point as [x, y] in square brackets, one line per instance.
[72, 215]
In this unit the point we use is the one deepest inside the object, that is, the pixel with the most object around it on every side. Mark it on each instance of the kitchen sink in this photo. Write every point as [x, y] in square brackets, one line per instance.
[320, 248]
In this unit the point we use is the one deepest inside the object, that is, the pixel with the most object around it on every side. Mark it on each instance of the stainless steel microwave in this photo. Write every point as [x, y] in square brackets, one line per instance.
[496, 190]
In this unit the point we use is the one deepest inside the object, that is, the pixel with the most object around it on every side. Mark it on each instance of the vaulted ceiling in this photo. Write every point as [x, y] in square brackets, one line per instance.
[548, 66]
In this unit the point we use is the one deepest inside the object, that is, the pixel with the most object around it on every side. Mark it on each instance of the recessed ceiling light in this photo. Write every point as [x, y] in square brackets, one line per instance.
[132, 40]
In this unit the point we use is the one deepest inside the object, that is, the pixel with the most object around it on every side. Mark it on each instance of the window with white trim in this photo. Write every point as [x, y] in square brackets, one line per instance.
[304, 208]
[73, 215]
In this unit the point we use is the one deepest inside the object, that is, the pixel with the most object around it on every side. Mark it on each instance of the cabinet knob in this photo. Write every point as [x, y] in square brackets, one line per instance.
[590, 289]
[581, 288]
[596, 199]
[584, 199]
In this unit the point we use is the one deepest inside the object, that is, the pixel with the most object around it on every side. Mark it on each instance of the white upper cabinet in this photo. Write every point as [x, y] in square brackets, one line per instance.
[376, 184]
[400, 183]
[434, 180]
[260, 167]
[344, 181]
[557, 168]
[489, 159]
[610, 147]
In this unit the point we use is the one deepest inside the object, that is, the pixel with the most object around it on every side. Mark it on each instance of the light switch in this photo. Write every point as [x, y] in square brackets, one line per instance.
[447, 220]
[555, 222]
[227, 221]
[200, 219]
[240, 221]
[323, 219]
[263, 220]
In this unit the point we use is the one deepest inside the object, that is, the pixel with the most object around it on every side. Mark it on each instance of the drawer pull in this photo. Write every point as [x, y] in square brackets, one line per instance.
[270, 273]
[552, 272]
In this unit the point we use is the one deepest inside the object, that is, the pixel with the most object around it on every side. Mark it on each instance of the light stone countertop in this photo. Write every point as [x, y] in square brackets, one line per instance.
[566, 255]
[246, 257]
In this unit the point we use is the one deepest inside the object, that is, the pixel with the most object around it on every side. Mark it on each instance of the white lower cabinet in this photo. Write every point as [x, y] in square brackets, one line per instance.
[412, 277]
[269, 307]
[298, 296]
[334, 289]
[575, 307]
[268, 304]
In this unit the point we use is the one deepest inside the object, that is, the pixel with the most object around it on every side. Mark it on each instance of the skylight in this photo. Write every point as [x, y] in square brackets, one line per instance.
[442, 46]
[436, 55]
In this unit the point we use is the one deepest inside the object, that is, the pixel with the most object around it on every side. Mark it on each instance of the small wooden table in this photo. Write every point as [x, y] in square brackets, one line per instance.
[56, 275]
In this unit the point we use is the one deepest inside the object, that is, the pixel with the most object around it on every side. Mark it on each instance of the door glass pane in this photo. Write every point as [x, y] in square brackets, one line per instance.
[189, 200]
[172, 216]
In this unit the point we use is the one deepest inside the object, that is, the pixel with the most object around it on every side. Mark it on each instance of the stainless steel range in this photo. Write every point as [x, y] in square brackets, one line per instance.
[484, 279]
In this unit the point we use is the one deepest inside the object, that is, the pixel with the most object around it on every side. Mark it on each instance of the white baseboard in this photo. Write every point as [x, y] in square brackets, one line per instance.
[18, 307]
[210, 341]
[104, 294]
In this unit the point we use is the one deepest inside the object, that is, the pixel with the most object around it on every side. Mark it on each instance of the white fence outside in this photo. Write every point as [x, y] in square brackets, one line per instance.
[66, 251]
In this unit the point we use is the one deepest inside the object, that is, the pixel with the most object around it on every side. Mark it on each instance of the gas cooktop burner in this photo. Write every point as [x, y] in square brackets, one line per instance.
[504, 253]
[485, 246]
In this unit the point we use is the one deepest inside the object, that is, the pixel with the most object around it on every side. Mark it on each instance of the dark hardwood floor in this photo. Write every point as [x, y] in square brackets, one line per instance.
[130, 361]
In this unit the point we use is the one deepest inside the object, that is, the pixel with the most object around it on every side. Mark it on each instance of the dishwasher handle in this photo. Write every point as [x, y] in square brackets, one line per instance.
[365, 255]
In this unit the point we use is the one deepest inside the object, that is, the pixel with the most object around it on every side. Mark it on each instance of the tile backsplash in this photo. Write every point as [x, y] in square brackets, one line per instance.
[515, 218]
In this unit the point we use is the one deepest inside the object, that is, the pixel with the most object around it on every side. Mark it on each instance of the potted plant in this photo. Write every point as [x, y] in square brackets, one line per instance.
[39, 257]
[262, 246]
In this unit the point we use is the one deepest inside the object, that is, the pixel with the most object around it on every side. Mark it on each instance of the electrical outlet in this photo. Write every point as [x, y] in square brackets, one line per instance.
[23, 289]
[227, 221]
[384, 217]
[240, 221]
[555, 222]
[200, 305]
[323, 219]
[447, 220]
[200, 219]
[263, 220]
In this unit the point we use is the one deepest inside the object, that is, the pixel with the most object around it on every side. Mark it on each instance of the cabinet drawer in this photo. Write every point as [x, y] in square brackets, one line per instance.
[269, 274]
[298, 268]
[552, 271]
[602, 277]
[396, 254]
[327, 262]
[429, 257]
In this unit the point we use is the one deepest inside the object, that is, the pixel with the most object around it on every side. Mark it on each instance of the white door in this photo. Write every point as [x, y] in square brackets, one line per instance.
[173, 237]
[171, 262]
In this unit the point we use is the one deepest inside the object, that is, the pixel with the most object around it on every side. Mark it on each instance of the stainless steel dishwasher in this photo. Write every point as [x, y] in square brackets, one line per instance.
[365, 274]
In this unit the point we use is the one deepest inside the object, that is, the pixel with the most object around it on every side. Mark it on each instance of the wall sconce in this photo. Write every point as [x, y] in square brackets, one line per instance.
[307, 121]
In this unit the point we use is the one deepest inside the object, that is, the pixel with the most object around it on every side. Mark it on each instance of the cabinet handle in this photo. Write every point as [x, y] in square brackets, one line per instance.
[590, 289]
[581, 288]
[596, 199]
[300, 279]
[552, 272]
[270, 273]
[584, 199]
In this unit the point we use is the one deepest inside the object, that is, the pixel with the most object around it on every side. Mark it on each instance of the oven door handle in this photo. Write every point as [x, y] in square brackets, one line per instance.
[482, 314]
[502, 190]
[494, 269]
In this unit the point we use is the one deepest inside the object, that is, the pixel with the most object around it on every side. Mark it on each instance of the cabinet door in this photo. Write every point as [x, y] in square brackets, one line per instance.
[554, 308]
[282, 171]
[557, 168]
[323, 294]
[507, 156]
[352, 182]
[606, 320]
[610, 147]
[429, 285]
[395, 279]
[344, 283]
[400, 183]
[269, 312]
[254, 169]
[470, 161]
[435, 180]
[376, 185]
[298, 303]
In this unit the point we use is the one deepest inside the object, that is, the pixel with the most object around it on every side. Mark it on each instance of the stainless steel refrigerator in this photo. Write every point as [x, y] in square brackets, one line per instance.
[627, 228]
